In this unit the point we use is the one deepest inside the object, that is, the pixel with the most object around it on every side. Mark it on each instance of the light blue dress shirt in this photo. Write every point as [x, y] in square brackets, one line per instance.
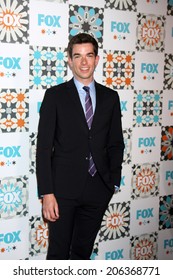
[82, 93]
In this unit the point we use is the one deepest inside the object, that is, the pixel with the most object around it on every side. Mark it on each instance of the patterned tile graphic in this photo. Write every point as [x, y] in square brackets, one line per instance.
[118, 69]
[144, 247]
[116, 222]
[56, 1]
[145, 180]
[147, 110]
[170, 7]
[168, 72]
[32, 152]
[127, 135]
[48, 66]
[121, 4]
[14, 21]
[86, 19]
[14, 197]
[166, 212]
[167, 143]
[14, 110]
[38, 236]
[150, 33]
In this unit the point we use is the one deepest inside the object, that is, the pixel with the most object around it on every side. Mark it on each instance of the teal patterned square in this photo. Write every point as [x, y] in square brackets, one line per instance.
[14, 197]
[48, 67]
[166, 212]
[86, 19]
[147, 108]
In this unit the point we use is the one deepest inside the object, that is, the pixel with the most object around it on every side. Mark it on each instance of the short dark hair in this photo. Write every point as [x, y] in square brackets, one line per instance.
[82, 38]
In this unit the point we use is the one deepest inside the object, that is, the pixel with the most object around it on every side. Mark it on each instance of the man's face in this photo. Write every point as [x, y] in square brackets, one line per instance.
[83, 62]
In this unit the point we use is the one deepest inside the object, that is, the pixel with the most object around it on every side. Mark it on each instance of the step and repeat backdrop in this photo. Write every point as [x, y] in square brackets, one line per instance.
[135, 38]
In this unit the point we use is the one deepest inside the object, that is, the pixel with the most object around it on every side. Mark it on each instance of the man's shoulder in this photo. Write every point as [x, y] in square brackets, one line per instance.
[60, 90]
[57, 88]
[105, 89]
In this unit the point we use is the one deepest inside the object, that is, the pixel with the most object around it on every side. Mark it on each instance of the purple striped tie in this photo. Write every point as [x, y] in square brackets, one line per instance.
[89, 117]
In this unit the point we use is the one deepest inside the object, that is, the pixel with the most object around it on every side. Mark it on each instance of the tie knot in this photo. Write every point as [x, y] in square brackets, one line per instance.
[87, 89]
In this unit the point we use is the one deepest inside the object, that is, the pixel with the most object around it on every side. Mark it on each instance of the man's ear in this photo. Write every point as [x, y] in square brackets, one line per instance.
[69, 62]
[97, 60]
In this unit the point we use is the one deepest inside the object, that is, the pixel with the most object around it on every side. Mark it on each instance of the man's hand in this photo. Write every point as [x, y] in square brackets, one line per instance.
[50, 208]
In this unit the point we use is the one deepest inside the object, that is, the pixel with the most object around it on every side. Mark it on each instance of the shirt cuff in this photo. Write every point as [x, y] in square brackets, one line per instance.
[116, 188]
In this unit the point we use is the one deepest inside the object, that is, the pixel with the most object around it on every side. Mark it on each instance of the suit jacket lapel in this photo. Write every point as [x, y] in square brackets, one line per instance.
[97, 109]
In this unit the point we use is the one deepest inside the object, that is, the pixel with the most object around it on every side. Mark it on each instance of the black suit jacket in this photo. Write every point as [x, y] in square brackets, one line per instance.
[64, 141]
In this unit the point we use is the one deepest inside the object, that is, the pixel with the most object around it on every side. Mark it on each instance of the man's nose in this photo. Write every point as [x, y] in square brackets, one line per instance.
[84, 60]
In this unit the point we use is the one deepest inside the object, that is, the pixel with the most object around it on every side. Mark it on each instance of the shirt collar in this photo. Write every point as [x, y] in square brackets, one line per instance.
[80, 86]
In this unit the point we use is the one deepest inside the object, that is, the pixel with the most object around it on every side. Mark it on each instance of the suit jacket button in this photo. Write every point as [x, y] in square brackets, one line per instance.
[86, 158]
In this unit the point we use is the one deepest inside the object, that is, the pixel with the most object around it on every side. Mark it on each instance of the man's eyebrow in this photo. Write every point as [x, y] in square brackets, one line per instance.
[80, 53]
[76, 54]
[90, 53]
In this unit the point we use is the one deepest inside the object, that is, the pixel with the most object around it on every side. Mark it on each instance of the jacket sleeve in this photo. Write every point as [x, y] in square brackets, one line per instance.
[45, 142]
[115, 147]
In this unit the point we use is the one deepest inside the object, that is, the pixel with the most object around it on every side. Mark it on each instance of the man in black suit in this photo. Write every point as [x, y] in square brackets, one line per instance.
[79, 154]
